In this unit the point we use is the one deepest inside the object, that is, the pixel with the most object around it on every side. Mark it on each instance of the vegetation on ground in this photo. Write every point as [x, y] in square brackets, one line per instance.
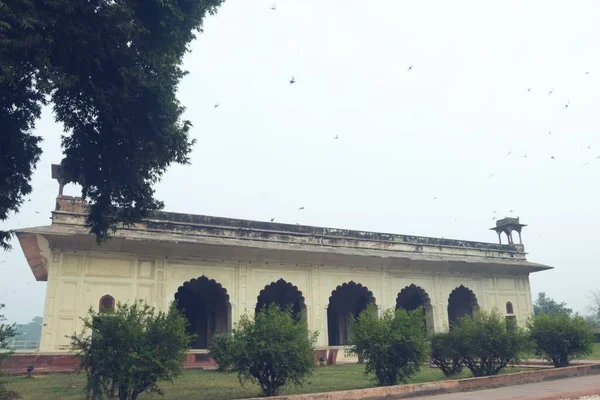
[393, 345]
[213, 385]
[274, 350]
[128, 351]
[7, 332]
[561, 337]
[444, 355]
[485, 343]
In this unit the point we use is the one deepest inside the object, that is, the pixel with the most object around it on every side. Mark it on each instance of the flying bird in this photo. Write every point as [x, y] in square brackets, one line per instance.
[217, 105]
[37, 212]
[410, 67]
[567, 105]
[292, 81]
[549, 132]
[585, 164]
[272, 219]
[301, 208]
[509, 153]
[525, 156]
[273, 7]
[492, 174]
[529, 90]
[510, 210]
[551, 91]
[337, 137]
[589, 146]
[587, 73]
[552, 158]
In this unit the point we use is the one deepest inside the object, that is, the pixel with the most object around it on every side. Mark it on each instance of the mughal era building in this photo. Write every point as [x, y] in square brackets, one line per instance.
[220, 268]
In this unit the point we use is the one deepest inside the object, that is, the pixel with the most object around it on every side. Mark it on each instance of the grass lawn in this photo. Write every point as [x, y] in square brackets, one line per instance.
[596, 354]
[208, 385]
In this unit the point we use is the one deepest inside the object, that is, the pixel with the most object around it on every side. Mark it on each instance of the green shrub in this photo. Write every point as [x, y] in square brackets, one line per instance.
[274, 350]
[7, 332]
[485, 344]
[393, 345]
[445, 355]
[560, 337]
[130, 349]
[220, 349]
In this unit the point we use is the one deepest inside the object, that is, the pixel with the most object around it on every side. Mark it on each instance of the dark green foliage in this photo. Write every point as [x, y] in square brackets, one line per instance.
[7, 332]
[31, 331]
[220, 350]
[485, 344]
[273, 350]
[444, 354]
[111, 70]
[546, 305]
[393, 345]
[128, 351]
[560, 337]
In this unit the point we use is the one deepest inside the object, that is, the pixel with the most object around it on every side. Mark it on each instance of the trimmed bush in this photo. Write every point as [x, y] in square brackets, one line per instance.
[485, 344]
[393, 346]
[219, 350]
[274, 350]
[444, 354]
[560, 337]
[127, 351]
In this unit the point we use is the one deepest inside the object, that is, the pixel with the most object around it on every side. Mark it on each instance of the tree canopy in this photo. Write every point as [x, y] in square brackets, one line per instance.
[110, 69]
[547, 305]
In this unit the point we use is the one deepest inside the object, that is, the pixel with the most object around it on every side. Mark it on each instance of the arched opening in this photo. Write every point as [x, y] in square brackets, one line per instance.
[509, 308]
[462, 302]
[205, 303]
[283, 294]
[107, 303]
[345, 304]
[412, 297]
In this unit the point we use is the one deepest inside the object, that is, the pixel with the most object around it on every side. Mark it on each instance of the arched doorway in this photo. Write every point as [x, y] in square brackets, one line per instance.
[205, 303]
[345, 304]
[462, 301]
[412, 297]
[283, 294]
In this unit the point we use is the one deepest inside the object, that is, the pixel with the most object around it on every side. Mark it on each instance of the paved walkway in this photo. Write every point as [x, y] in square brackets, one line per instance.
[570, 388]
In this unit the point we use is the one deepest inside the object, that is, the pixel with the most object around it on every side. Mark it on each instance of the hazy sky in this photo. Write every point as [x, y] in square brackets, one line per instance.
[405, 138]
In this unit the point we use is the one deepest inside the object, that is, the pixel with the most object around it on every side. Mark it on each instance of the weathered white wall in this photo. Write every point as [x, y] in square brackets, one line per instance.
[77, 281]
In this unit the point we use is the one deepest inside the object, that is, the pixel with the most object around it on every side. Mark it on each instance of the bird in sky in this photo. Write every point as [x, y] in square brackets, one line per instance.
[529, 90]
[337, 137]
[292, 81]
[37, 212]
[587, 163]
[272, 219]
[217, 105]
[509, 153]
[492, 174]
[552, 158]
[551, 91]
[587, 73]
[435, 198]
[567, 105]
[549, 132]
[273, 7]
[301, 208]
[410, 67]
[589, 146]
[525, 156]
[510, 210]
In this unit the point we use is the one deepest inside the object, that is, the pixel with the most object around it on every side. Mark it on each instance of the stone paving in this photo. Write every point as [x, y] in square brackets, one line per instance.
[560, 389]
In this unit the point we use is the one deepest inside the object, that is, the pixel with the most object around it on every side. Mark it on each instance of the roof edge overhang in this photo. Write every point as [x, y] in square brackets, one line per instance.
[36, 249]
[126, 239]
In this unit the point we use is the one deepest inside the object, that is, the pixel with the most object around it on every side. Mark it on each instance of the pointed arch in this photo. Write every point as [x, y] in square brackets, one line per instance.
[412, 297]
[461, 302]
[346, 303]
[205, 303]
[283, 294]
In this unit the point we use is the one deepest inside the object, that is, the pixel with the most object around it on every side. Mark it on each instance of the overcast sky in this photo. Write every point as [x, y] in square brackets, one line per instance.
[434, 151]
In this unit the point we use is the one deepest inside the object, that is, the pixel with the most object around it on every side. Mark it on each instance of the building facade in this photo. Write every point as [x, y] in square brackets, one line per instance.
[219, 269]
